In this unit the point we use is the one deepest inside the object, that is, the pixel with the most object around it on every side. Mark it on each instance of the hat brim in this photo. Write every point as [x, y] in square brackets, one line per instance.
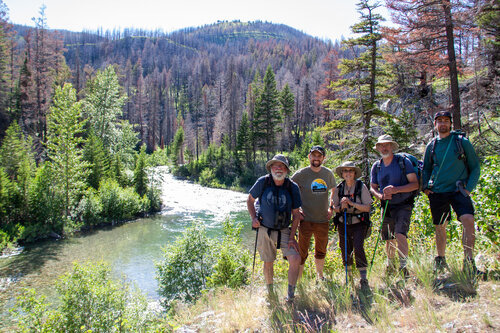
[357, 174]
[270, 162]
[395, 145]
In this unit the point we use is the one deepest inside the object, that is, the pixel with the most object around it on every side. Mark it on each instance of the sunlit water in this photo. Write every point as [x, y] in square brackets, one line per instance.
[132, 249]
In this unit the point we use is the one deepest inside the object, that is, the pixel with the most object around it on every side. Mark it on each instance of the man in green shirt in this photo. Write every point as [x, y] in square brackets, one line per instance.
[451, 171]
[314, 183]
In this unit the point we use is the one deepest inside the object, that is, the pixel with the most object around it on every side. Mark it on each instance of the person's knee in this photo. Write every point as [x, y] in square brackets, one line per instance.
[440, 228]
[467, 220]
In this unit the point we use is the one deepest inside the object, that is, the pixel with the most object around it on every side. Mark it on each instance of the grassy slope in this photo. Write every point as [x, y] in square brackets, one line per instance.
[451, 301]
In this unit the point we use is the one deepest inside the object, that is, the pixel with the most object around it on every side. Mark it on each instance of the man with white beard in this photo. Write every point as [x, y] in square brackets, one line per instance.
[393, 179]
[278, 202]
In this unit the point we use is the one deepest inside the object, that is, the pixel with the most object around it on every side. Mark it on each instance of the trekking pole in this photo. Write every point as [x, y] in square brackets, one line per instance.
[378, 236]
[345, 245]
[255, 249]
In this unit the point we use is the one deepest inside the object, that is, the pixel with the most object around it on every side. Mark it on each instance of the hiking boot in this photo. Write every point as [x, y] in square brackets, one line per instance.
[390, 269]
[470, 267]
[364, 284]
[404, 272]
[289, 300]
[440, 264]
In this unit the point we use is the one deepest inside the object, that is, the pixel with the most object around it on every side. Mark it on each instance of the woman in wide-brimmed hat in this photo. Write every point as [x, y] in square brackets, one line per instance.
[352, 199]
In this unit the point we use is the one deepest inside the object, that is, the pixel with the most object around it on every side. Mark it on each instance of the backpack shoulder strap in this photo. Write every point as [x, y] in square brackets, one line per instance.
[433, 150]
[459, 137]
[357, 189]
[340, 188]
[267, 183]
[288, 186]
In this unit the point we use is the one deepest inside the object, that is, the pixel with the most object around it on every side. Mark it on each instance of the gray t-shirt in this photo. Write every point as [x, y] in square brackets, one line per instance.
[314, 187]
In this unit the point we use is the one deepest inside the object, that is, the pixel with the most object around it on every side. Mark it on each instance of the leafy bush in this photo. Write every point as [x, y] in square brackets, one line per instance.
[89, 301]
[90, 208]
[207, 178]
[233, 261]
[118, 203]
[186, 265]
[486, 200]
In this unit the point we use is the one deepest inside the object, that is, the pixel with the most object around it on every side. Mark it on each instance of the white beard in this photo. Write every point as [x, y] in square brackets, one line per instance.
[385, 155]
[277, 176]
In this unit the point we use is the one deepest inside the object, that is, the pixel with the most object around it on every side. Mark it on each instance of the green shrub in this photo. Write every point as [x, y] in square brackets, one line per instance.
[486, 200]
[89, 301]
[90, 208]
[207, 178]
[231, 269]
[186, 265]
[45, 203]
[118, 203]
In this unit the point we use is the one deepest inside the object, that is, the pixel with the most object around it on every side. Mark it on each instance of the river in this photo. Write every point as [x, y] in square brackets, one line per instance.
[131, 248]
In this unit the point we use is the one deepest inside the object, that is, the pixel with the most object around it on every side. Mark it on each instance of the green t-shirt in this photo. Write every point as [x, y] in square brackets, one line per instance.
[452, 169]
[314, 187]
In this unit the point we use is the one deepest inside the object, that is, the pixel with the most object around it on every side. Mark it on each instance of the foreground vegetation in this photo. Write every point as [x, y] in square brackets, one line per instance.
[208, 285]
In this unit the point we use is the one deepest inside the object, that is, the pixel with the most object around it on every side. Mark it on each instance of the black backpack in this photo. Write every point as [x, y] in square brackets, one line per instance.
[281, 219]
[458, 137]
[364, 217]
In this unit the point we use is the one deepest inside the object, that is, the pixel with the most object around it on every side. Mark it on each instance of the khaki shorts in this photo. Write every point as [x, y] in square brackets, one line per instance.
[267, 245]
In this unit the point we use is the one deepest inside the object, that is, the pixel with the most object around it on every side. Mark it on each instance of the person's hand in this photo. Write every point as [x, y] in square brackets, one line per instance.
[293, 243]
[345, 203]
[302, 215]
[255, 223]
[427, 191]
[390, 190]
[330, 213]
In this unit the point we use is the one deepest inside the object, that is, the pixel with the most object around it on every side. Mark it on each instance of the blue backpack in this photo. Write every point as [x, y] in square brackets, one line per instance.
[417, 168]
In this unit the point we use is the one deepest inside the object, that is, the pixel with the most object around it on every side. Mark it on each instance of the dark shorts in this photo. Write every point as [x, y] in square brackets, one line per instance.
[396, 221]
[440, 206]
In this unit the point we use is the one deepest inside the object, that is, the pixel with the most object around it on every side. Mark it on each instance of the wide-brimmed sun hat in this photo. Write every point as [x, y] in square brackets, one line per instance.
[348, 165]
[386, 138]
[278, 158]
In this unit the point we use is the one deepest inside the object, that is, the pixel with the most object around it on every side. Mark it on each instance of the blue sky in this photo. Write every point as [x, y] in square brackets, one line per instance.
[327, 19]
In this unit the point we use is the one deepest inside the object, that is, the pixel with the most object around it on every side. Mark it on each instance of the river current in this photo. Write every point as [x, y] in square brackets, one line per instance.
[132, 248]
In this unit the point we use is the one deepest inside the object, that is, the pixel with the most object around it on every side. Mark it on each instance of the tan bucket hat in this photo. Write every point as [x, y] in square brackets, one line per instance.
[385, 139]
[350, 165]
[277, 158]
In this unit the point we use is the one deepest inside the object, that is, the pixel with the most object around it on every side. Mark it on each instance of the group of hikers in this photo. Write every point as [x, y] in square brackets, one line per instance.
[279, 205]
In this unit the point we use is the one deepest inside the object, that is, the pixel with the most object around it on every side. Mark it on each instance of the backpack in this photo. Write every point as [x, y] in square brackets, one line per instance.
[417, 164]
[458, 136]
[364, 217]
[281, 219]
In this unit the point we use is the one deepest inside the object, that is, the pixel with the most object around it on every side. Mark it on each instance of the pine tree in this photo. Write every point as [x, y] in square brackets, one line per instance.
[103, 105]
[244, 144]
[98, 160]
[15, 148]
[362, 81]
[65, 128]
[287, 106]
[140, 176]
[267, 116]
[425, 40]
